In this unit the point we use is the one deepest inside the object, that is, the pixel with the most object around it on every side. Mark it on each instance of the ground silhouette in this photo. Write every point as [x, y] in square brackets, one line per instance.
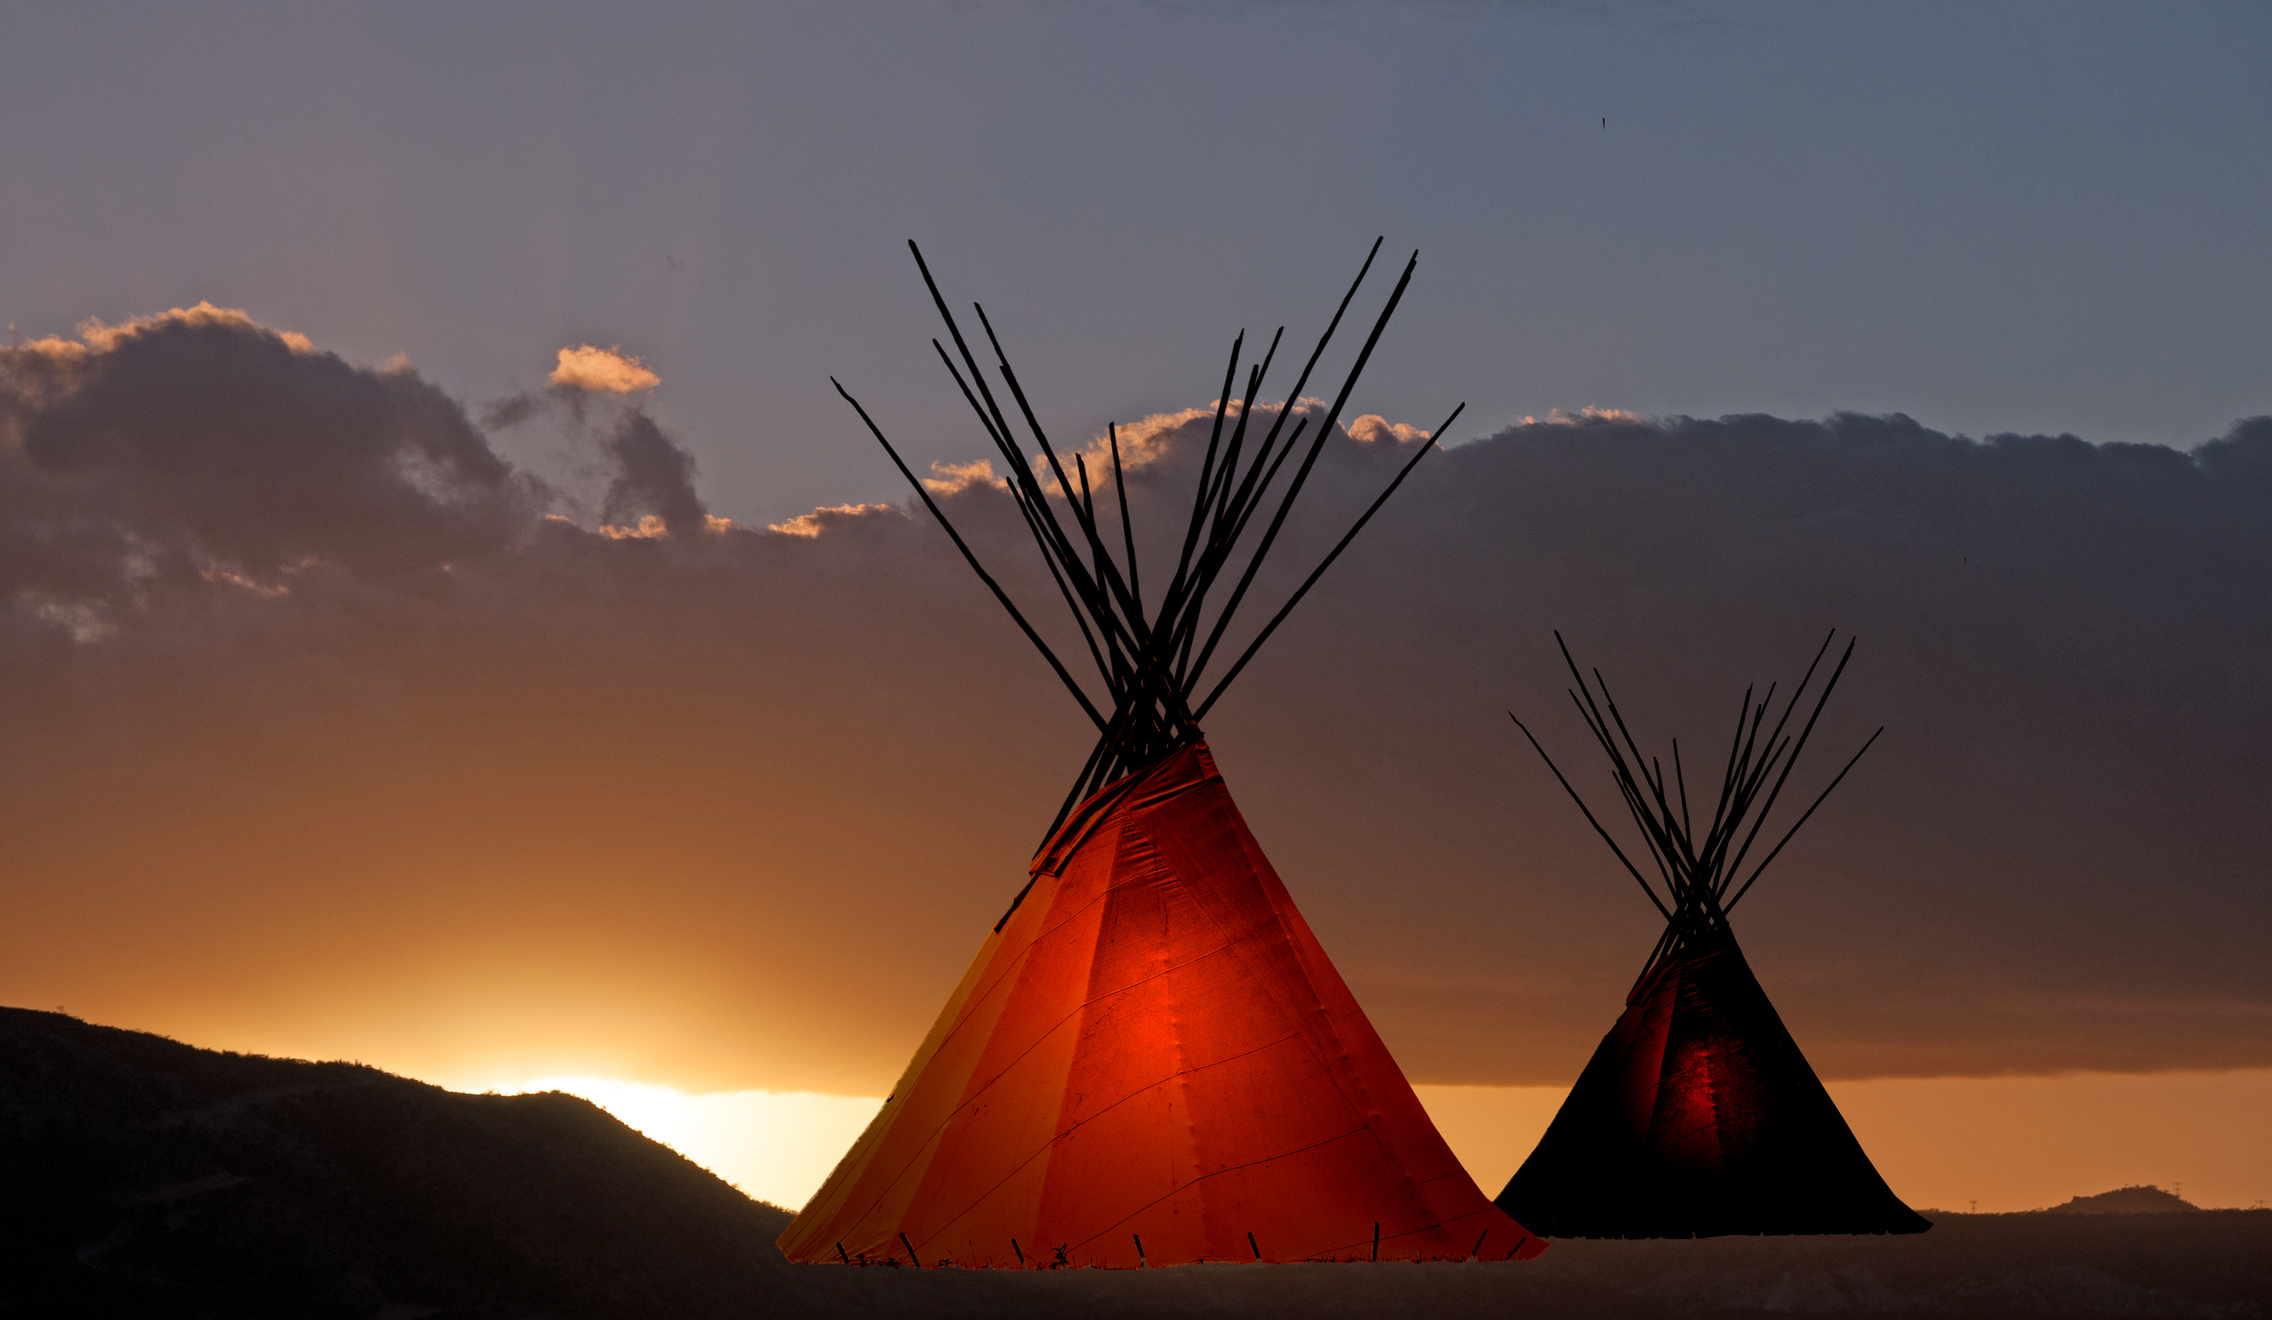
[140, 1177]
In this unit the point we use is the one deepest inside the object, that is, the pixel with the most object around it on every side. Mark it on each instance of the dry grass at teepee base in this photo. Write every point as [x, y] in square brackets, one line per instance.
[2212, 1263]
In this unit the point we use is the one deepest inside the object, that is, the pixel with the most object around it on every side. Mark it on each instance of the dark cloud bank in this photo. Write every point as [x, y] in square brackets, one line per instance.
[316, 709]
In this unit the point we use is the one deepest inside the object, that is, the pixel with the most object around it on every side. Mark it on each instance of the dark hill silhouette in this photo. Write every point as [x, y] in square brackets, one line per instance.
[142, 1177]
[2125, 1201]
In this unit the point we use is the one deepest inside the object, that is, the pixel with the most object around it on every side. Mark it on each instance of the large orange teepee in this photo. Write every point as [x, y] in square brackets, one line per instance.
[1152, 1060]
[1154, 1050]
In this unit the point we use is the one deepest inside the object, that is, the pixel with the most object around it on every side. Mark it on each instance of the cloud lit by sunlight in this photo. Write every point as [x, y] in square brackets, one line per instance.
[602, 371]
[1372, 428]
[777, 1146]
[812, 524]
[954, 478]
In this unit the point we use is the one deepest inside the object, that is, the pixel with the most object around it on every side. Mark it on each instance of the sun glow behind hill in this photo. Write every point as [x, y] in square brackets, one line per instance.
[776, 1146]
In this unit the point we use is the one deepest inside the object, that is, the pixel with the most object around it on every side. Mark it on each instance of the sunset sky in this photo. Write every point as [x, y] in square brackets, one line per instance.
[450, 621]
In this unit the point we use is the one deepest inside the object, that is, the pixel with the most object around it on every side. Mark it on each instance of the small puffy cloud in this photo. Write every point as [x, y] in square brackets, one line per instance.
[1586, 416]
[648, 528]
[81, 620]
[1150, 440]
[955, 478]
[595, 370]
[819, 521]
[1147, 440]
[1373, 428]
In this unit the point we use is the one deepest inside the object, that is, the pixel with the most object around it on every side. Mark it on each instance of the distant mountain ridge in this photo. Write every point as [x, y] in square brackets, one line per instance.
[143, 1177]
[2138, 1200]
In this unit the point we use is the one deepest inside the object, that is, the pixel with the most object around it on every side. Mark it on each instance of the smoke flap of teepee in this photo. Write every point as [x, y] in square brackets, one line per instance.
[1698, 1115]
[1152, 1060]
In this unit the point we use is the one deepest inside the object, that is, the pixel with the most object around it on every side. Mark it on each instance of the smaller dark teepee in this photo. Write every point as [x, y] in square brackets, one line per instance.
[1698, 1115]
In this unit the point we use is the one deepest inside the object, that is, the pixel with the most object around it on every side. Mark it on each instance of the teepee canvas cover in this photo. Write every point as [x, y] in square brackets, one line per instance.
[1153, 1048]
[1698, 1115]
[1151, 1059]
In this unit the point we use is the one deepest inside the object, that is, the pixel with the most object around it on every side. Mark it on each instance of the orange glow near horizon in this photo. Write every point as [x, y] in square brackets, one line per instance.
[2012, 1143]
[1943, 1143]
[2005, 1143]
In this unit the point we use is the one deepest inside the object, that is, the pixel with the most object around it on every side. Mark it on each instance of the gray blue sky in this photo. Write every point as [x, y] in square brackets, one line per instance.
[2002, 217]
